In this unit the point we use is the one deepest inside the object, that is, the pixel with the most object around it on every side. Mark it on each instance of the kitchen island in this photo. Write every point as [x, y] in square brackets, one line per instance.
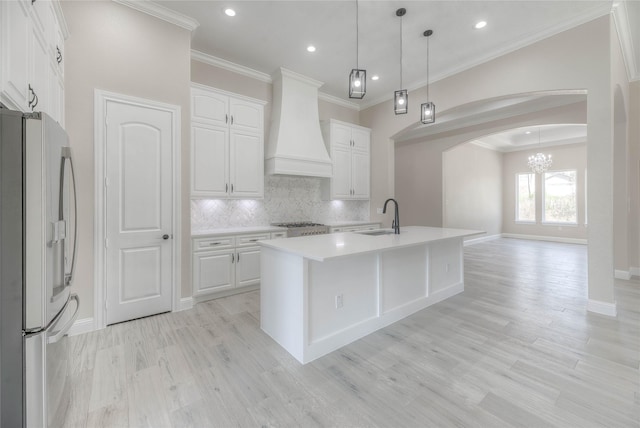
[319, 293]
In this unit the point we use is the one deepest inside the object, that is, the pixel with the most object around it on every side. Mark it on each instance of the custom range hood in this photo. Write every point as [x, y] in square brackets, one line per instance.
[295, 143]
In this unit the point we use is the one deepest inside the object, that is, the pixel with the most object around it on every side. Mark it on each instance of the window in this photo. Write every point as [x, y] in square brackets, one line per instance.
[560, 197]
[526, 197]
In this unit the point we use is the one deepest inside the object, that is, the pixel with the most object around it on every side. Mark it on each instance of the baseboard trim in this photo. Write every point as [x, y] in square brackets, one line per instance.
[84, 325]
[546, 238]
[622, 274]
[602, 308]
[634, 271]
[482, 239]
[185, 304]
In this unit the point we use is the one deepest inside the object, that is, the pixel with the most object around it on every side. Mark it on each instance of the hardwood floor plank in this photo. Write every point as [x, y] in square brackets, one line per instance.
[516, 348]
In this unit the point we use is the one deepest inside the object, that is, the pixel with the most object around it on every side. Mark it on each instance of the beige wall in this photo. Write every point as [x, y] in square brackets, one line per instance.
[472, 178]
[573, 156]
[620, 101]
[575, 59]
[114, 48]
[634, 176]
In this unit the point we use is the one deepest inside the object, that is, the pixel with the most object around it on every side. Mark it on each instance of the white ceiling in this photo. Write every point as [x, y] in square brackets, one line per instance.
[531, 137]
[265, 35]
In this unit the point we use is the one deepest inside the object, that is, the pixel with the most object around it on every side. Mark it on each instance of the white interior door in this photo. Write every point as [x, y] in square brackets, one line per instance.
[139, 198]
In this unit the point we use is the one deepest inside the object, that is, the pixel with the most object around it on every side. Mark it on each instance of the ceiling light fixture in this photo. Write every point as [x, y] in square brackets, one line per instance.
[357, 77]
[230, 12]
[539, 163]
[375, 77]
[480, 24]
[401, 97]
[428, 109]
[311, 48]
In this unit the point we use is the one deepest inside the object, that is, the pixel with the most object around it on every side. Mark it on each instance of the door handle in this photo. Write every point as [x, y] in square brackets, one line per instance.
[165, 236]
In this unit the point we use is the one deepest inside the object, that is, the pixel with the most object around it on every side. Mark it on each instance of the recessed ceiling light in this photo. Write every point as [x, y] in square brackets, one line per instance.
[311, 48]
[480, 24]
[375, 77]
[230, 12]
[528, 132]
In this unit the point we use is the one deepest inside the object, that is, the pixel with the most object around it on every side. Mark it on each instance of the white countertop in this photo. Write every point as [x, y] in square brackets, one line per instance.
[324, 247]
[236, 230]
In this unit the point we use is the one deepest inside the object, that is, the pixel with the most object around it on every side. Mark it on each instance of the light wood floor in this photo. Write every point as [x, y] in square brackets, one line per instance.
[517, 348]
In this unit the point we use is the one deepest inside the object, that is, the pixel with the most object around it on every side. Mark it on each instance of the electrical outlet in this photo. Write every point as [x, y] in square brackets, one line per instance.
[379, 210]
[339, 301]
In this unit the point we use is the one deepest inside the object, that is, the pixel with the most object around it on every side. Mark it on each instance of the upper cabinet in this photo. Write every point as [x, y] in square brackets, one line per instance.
[227, 145]
[32, 37]
[349, 147]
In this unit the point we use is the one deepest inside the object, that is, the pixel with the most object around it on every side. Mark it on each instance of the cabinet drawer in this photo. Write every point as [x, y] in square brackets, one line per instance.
[247, 240]
[276, 235]
[201, 244]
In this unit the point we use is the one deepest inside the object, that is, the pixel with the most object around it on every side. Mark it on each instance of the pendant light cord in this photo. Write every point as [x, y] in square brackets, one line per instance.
[428, 99]
[401, 53]
[357, 37]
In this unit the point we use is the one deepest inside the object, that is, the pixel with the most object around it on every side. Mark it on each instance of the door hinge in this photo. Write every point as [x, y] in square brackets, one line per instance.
[106, 242]
[106, 182]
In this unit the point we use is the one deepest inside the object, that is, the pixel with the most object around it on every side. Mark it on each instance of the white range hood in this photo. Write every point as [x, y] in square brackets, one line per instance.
[295, 143]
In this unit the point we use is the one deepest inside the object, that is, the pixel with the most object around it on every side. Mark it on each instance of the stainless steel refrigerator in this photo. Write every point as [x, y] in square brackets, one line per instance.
[38, 225]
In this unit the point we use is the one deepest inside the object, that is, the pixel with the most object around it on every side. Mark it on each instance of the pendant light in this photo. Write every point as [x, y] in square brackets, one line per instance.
[358, 77]
[540, 162]
[428, 109]
[401, 97]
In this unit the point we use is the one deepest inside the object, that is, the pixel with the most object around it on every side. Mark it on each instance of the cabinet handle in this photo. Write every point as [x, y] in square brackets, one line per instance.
[226, 187]
[33, 102]
[238, 258]
[226, 118]
[231, 187]
[233, 258]
[59, 55]
[232, 119]
[212, 244]
[253, 240]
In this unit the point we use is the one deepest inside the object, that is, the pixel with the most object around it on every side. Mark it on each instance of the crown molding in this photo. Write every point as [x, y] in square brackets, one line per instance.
[623, 28]
[338, 101]
[161, 12]
[231, 66]
[516, 45]
[263, 77]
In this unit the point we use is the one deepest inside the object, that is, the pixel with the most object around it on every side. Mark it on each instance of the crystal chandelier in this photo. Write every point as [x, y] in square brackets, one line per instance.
[540, 162]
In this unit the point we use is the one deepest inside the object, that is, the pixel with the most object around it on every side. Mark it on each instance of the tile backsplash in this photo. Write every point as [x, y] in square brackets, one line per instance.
[285, 199]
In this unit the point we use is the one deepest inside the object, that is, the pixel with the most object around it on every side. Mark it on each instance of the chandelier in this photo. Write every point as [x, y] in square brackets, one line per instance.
[539, 162]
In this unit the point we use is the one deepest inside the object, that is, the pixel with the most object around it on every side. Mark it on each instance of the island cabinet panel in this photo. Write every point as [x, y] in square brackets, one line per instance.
[446, 262]
[403, 277]
[320, 293]
[342, 293]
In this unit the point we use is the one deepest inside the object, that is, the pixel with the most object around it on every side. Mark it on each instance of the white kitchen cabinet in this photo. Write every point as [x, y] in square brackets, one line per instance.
[32, 37]
[213, 271]
[349, 146]
[227, 145]
[224, 265]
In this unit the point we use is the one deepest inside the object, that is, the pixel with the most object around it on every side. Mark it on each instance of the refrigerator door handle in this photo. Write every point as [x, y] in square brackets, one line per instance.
[59, 335]
[66, 154]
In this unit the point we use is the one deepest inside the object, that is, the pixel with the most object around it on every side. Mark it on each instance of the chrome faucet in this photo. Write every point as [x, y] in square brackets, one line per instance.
[395, 225]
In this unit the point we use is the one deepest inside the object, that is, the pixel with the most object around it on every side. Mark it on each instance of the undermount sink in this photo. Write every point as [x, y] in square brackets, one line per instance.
[376, 232]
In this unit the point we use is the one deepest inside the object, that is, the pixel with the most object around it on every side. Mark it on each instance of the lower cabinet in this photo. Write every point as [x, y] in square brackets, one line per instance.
[225, 265]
